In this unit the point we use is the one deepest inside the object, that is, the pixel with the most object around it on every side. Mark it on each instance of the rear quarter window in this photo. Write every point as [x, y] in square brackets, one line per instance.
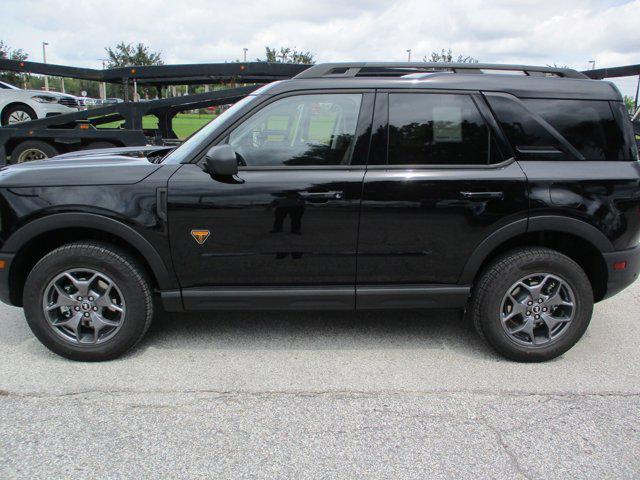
[588, 125]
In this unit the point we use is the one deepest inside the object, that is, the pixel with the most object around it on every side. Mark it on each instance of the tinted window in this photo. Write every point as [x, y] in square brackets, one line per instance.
[520, 127]
[588, 125]
[437, 129]
[301, 130]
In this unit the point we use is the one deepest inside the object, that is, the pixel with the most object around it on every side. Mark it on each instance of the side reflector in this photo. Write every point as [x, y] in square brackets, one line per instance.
[3, 264]
[620, 265]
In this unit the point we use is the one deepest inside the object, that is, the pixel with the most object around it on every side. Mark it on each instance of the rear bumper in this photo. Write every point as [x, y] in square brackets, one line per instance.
[618, 280]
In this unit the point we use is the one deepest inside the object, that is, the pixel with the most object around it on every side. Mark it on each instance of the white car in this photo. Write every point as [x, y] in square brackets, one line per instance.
[18, 105]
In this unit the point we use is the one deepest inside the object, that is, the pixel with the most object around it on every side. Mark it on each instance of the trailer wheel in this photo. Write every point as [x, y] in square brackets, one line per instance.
[17, 114]
[32, 150]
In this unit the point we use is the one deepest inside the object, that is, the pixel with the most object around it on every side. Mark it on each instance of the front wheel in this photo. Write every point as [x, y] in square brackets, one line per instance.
[88, 301]
[532, 304]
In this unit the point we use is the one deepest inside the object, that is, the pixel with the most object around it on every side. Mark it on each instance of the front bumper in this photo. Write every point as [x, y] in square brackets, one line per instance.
[621, 278]
[5, 290]
[44, 110]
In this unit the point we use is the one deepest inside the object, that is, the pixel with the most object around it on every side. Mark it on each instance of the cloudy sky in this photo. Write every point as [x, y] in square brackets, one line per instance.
[562, 32]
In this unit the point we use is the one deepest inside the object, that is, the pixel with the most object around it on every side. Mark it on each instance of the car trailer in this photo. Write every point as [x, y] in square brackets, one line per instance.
[82, 130]
[76, 131]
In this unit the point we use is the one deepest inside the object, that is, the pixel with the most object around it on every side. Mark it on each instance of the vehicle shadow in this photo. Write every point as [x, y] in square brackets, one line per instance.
[425, 329]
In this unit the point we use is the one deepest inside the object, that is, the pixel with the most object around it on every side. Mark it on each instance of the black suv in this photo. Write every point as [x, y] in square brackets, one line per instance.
[510, 191]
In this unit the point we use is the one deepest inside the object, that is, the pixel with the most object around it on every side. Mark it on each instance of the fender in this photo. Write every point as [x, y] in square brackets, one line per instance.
[554, 223]
[89, 220]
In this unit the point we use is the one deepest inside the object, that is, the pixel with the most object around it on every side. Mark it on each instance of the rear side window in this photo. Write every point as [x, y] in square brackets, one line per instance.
[588, 125]
[438, 129]
[520, 127]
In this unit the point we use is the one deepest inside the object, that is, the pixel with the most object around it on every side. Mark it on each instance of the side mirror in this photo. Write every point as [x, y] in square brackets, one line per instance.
[221, 160]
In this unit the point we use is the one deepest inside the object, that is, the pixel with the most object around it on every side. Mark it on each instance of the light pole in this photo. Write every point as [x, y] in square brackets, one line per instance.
[44, 60]
[593, 64]
[245, 54]
[408, 55]
[103, 85]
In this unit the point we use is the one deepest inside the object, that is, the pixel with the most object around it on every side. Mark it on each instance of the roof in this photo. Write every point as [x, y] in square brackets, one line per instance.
[562, 84]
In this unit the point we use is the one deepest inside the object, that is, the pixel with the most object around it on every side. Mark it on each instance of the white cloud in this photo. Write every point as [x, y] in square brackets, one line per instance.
[570, 32]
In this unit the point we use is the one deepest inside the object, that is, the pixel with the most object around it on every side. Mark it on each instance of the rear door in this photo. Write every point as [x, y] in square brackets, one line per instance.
[440, 180]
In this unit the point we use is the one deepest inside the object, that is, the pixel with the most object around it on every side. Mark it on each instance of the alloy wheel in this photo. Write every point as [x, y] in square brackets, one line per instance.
[18, 116]
[84, 306]
[537, 309]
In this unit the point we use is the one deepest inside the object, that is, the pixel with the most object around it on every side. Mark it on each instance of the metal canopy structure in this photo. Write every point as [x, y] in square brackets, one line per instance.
[187, 74]
[613, 72]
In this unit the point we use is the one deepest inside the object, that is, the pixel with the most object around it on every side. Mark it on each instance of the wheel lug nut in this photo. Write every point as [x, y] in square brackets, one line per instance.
[86, 314]
[91, 299]
[76, 308]
[95, 309]
[544, 309]
[540, 300]
[528, 313]
[529, 302]
[537, 317]
[79, 298]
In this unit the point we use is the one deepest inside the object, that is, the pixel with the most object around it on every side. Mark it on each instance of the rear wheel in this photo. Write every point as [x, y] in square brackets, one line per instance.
[88, 301]
[32, 150]
[532, 304]
[18, 114]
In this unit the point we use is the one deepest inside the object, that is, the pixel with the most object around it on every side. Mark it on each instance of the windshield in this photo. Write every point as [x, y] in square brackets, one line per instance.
[192, 144]
[8, 86]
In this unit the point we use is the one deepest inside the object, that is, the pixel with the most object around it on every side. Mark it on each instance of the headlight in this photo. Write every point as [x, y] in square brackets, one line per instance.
[44, 99]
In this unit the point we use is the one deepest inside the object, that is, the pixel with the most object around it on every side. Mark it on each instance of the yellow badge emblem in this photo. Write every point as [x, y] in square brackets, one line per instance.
[200, 236]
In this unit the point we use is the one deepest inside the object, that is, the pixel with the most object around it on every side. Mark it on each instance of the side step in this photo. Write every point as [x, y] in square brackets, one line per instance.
[363, 297]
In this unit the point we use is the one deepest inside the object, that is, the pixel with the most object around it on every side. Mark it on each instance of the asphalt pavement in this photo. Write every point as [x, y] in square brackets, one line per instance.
[304, 395]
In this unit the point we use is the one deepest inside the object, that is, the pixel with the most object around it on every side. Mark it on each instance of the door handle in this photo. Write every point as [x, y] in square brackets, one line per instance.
[481, 195]
[319, 196]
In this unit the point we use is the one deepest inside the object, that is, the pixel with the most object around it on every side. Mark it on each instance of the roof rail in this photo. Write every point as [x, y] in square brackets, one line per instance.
[399, 69]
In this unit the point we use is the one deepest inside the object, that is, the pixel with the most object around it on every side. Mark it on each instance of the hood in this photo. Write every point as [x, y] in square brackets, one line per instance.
[50, 93]
[147, 151]
[85, 168]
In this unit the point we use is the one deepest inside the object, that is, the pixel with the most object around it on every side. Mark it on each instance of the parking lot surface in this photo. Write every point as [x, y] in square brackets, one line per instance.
[323, 395]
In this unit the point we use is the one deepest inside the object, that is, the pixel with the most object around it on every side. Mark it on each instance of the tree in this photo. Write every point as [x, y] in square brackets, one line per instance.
[447, 56]
[287, 55]
[12, 54]
[630, 103]
[127, 55]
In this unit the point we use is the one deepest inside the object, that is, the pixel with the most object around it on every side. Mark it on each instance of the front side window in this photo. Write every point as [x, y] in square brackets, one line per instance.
[437, 129]
[302, 130]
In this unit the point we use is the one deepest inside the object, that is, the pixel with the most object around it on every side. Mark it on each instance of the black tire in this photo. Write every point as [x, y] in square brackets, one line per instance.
[18, 108]
[107, 259]
[32, 148]
[497, 279]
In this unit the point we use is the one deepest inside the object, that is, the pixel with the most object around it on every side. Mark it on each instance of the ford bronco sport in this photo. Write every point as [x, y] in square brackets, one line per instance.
[512, 192]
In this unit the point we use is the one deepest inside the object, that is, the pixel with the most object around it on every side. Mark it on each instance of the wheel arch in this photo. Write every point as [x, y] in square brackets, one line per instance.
[34, 240]
[16, 103]
[574, 238]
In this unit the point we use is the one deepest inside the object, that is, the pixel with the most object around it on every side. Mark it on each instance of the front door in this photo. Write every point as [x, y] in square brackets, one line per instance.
[290, 216]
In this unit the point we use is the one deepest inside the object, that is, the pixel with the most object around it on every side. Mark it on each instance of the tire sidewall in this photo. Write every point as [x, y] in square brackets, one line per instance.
[135, 320]
[558, 265]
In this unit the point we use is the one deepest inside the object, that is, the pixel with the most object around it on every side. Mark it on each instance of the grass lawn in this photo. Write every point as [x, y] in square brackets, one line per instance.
[184, 124]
